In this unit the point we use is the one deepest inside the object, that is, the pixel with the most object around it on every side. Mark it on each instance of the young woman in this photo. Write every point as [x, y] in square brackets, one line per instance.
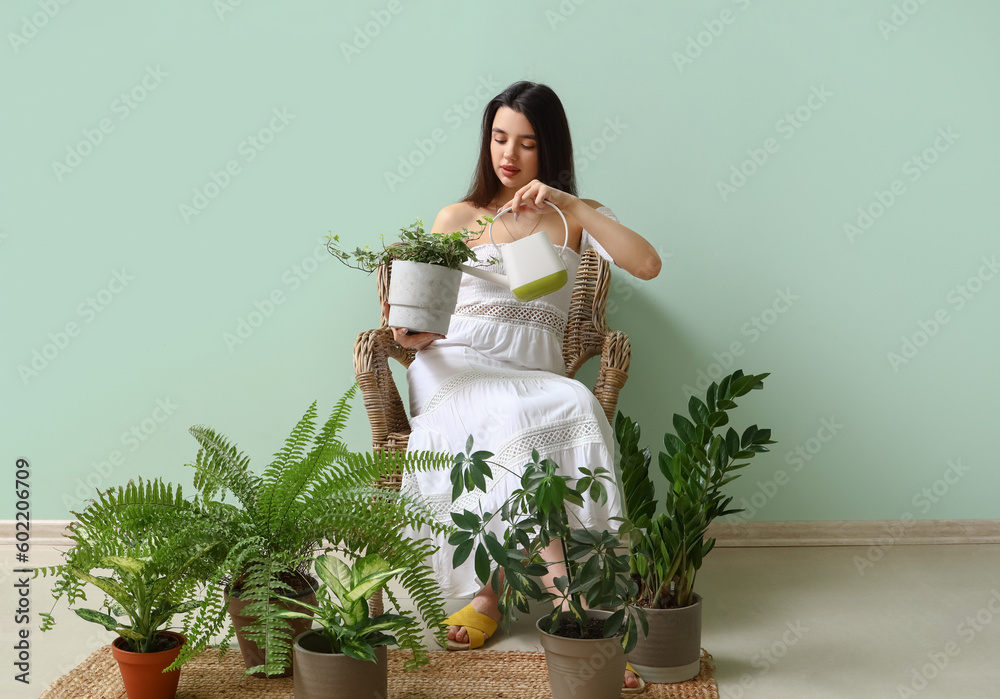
[499, 375]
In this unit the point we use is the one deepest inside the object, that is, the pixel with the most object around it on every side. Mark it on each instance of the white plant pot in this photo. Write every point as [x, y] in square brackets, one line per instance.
[422, 297]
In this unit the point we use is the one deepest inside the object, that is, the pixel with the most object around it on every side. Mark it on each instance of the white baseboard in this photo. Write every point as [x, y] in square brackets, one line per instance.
[852, 533]
[729, 534]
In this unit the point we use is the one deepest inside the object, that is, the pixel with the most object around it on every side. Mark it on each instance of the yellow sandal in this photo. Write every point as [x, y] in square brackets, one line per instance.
[640, 688]
[479, 627]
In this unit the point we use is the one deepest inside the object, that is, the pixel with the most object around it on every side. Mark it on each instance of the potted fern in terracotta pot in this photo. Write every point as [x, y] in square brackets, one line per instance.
[150, 582]
[347, 653]
[426, 274]
[667, 549]
[592, 623]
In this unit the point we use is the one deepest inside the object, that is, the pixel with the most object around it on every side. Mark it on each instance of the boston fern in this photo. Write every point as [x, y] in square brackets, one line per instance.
[315, 495]
[667, 550]
[415, 245]
[151, 579]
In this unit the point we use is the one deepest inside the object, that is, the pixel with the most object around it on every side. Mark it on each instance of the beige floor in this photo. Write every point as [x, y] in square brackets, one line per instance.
[781, 623]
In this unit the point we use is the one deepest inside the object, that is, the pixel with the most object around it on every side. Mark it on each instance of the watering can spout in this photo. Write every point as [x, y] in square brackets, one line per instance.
[486, 275]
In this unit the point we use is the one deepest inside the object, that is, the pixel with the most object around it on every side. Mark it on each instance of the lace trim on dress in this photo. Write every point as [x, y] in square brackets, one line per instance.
[513, 455]
[455, 384]
[517, 313]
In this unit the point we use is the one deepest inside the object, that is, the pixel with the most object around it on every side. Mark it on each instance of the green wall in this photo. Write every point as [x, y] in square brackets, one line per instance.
[138, 303]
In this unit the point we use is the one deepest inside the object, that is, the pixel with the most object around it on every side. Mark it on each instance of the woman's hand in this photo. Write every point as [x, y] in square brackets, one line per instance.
[417, 341]
[532, 197]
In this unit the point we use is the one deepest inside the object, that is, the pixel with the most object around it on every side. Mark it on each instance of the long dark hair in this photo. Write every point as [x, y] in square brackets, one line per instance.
[543, 110]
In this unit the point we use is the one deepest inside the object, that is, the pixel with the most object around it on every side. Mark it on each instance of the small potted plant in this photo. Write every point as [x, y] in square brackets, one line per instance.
[666, 550]
[149, 584]
[577, 629]
[347, 654]
[426, 273]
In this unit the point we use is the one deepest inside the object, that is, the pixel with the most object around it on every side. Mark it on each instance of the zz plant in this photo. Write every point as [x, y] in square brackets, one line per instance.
[536, 515]
[666, 550]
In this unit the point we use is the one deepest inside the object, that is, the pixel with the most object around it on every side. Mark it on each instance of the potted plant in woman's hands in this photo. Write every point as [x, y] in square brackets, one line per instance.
[592, 573]
[150, 583]
[347, 654]
[667, 550]
[426, 274]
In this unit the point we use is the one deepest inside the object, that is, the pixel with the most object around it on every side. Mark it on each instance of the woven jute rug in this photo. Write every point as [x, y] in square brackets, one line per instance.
[506, 674]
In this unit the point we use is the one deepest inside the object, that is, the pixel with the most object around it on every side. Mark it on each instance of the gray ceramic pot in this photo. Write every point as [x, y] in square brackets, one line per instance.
[583, 668]
[320, 674]
[422, 297]
[671, 652]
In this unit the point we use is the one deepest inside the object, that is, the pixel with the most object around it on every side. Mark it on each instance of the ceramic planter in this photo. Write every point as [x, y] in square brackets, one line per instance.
[422, 297]
[253, 654]
[583, 668]
[320, 674]
[671, 652]
[143, 673]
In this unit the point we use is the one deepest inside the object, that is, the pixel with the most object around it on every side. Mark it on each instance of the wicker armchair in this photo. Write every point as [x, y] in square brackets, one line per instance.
[587, 335]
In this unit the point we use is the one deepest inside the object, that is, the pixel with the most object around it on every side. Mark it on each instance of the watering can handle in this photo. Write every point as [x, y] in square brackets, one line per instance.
[489, 231]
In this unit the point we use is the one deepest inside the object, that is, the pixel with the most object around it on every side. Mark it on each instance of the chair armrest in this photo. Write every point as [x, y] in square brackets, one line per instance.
[372, 351]
[611, 378]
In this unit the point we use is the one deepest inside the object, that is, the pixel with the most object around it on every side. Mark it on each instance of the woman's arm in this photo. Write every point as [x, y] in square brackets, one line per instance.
[628, 249]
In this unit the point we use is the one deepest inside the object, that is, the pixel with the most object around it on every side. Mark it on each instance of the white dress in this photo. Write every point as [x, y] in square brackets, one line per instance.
[500, 376]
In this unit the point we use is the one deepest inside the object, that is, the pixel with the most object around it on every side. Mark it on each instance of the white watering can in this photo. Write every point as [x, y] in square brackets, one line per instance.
[533, 266]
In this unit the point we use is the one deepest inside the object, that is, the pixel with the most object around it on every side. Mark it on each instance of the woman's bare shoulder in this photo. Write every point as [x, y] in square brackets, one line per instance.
[457, 216]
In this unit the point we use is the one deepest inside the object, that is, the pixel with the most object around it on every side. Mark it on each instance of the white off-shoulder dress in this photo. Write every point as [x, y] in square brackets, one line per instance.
[500, 376]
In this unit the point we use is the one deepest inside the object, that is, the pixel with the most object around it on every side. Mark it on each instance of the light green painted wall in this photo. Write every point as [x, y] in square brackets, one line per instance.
[873, 87]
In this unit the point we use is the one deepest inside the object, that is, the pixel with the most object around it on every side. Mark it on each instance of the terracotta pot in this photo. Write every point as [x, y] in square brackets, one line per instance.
[583, 668]
[422, 296]
[320, 674]
[671, 652]
[143, 673]
[253, 654]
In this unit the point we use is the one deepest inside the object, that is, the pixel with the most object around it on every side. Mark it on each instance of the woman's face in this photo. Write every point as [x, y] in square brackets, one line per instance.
[514, 148]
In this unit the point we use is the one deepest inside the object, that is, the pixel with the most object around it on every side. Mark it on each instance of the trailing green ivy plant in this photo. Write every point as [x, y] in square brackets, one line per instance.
[667, 550]
[415, 245]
